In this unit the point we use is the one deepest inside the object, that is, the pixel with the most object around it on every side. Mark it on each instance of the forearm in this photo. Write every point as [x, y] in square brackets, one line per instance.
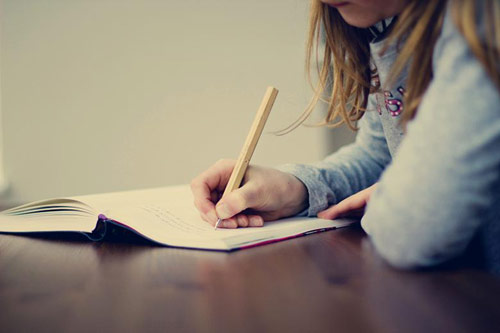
[337, 177]
[347, 171]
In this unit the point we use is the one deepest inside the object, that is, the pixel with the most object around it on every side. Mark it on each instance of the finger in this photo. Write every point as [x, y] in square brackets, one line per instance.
[217, 176]
[207, 219]
[229, 223]
[255, 221]
[329, 214]
[203, 189]
[213, 179]
[207, 210]
[242, 220]
[354, 202]
[202, 198]
[236, 201]
[204, 217]
[207, 185]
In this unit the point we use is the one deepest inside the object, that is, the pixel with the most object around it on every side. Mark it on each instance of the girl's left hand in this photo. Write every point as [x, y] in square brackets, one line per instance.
[353, 206]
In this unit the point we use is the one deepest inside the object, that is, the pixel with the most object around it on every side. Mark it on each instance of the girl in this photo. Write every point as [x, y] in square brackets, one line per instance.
[421, 79]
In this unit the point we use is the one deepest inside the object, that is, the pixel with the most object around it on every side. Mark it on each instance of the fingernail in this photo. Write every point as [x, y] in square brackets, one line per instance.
[254, 221]
[222, 211]
[228, 224]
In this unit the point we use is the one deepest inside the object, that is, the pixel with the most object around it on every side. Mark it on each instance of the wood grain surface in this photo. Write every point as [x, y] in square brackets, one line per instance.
[326, 282]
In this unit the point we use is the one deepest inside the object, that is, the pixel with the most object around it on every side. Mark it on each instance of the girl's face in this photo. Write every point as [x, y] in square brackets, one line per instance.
[364, 13]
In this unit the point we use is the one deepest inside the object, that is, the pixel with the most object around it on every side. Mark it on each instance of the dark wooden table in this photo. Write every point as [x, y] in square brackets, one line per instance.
[331, 281]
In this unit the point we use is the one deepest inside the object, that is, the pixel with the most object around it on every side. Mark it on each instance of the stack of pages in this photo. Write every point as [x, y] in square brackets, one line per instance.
[164, 215]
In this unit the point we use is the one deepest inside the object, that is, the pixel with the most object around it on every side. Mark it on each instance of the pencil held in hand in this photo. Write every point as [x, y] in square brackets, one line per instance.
[250, 142]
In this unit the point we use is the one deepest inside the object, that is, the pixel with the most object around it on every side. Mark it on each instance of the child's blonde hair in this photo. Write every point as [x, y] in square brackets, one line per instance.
[344, 79]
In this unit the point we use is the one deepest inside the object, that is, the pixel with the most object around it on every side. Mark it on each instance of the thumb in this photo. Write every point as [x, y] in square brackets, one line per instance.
[233, 203]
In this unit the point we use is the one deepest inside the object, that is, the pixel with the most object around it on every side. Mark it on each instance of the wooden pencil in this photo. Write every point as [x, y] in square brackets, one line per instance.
[250, 142]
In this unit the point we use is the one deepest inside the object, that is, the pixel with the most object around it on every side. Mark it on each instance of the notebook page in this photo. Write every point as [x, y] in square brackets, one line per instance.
[167, 215]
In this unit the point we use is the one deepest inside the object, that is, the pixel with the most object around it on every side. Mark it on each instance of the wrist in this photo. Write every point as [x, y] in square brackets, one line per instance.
[298, 196]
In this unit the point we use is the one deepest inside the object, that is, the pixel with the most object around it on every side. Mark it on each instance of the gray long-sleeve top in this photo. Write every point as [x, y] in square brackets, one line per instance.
[439, 183]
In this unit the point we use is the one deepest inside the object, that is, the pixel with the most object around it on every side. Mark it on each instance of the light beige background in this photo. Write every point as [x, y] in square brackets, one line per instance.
[105, 95]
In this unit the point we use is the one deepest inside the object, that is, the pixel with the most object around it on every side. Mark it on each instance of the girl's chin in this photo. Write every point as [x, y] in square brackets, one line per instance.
[358, 21]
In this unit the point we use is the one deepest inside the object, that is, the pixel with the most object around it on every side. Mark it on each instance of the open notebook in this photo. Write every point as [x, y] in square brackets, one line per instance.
[164, 215]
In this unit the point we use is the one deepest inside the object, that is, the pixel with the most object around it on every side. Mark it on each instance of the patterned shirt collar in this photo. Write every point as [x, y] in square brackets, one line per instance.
[381, 29]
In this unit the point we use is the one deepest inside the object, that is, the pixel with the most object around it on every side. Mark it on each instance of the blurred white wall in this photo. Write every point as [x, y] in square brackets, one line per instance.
[3, 180]
[105, 95]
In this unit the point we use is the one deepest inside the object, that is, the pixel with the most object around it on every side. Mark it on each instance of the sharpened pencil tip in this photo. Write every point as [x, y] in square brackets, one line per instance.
[217, 224]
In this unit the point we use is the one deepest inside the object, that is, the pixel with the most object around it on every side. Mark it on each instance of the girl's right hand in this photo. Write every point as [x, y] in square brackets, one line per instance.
[266, 194]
